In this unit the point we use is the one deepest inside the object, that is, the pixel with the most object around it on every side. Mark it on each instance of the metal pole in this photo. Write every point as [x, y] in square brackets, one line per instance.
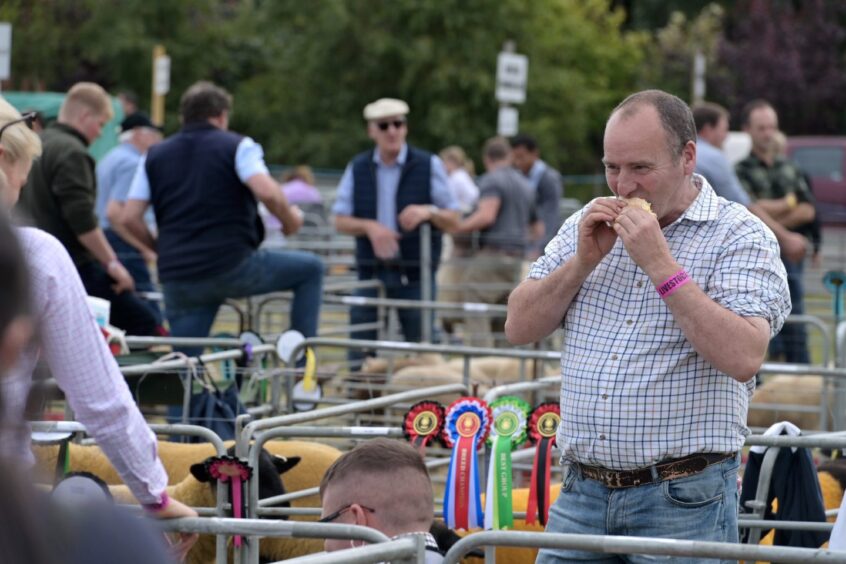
[426, 274]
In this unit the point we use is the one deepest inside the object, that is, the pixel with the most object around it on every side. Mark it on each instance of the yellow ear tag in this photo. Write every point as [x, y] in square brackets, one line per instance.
[310, 376]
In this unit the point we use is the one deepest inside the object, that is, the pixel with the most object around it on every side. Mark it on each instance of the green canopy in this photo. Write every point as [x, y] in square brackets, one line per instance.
[48, 103]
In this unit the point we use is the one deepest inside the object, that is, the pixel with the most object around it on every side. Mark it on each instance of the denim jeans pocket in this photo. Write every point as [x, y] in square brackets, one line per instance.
[570, 476]
[698, 490]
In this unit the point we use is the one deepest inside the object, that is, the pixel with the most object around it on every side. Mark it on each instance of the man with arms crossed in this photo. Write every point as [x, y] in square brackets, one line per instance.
[666, 320]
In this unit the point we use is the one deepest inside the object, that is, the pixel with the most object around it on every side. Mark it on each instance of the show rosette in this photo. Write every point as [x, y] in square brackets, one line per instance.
[236, 472]
[510, 415]
[423, 423]
[467, 423]
[543, 426]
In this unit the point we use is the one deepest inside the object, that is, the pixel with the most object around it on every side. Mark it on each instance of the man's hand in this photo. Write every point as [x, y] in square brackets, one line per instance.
[123, 280]
[642, 236]
[385, 241]
[794, 246]
[596, 232]
[184, 541]
[293, 221]
[413, 215]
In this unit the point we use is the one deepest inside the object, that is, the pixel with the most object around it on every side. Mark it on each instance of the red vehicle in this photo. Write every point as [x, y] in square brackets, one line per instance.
[824, 160]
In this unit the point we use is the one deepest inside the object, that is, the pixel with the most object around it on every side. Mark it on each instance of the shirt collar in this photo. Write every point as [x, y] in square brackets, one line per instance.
[431, 543]
[72, 130]
[705, 207]
[403, 155]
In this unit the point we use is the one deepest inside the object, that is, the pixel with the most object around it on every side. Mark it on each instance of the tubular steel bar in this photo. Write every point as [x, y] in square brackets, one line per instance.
[640, 545]
[405, 549]
[426, 280]
[183, 362]
[270, 528]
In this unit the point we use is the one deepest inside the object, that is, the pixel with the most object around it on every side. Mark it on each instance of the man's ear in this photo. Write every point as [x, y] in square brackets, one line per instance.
[360, 514]
[17, 335]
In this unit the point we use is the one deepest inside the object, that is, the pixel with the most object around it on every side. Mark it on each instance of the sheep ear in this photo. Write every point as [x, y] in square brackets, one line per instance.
[201, 472]
[285, 463]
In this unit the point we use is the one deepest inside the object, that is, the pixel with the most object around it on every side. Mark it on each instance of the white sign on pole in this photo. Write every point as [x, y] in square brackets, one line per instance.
[512, 73]
[162, 74]
[5, 50]
[507, 124]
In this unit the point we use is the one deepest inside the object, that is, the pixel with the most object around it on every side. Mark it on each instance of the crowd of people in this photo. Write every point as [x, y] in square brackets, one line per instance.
[667, 310]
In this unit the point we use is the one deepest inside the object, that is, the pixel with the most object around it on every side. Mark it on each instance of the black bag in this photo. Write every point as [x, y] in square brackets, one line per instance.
[214, 409]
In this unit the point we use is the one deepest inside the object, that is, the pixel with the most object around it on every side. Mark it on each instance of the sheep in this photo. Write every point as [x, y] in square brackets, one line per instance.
[785, 389]
[178, 459]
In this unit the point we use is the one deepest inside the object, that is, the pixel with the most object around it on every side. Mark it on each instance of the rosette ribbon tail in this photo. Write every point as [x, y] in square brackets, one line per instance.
[237, 504]
[538, 502]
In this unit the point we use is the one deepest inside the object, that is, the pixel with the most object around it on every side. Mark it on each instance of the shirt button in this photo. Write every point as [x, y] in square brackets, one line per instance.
[639, 284]
[613, 357]
[604, 396]
[602, 437]
[629, 321]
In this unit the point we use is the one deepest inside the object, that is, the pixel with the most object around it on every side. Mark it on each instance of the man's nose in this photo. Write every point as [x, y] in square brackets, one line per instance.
[626, 184]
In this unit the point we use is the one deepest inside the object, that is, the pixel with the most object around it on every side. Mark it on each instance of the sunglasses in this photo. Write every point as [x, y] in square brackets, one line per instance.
[26, 118]
[384, 125]
[341, 511]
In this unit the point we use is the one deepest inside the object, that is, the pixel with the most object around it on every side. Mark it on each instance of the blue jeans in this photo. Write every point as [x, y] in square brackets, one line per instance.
[134, 263]
[192, 306]
[791, 344]
[699, 507]
[410, 319]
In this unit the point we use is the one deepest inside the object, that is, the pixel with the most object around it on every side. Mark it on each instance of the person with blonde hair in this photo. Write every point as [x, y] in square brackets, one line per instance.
[460, 168]
[75, 350]
[60, 199]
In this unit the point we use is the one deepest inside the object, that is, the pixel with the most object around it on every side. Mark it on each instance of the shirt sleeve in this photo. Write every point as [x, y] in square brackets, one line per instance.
[140, 188]
[442, 196]
[343, 195]
[86, 371]
[123, 177]
[749, 279]
[727, 185]
[559, 250]
[249, 160]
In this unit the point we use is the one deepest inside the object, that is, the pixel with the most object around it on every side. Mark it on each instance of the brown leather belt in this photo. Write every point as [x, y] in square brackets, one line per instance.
[666, 470]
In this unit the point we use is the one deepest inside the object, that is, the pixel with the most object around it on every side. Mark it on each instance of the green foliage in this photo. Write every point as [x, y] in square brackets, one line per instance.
[301, 72]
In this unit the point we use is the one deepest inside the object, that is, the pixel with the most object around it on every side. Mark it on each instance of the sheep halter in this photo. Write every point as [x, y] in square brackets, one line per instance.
[236, 472]
[468, 421]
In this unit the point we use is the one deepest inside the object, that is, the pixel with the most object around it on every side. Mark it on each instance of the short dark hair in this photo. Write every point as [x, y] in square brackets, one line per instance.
[526, 141]
[676, 117]
[204, 100]
[376, 455]
[708, 113]
[496, 148]
[750, 107]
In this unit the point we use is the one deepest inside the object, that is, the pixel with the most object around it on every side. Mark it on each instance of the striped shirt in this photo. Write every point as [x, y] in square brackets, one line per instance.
[84, 369]
[634, 391]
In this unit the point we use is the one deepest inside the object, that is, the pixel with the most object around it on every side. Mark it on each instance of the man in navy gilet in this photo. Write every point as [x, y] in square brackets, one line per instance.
[386, 193]
[203, 184]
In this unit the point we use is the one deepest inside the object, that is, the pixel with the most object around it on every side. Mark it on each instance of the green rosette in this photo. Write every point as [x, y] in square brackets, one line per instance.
[508, 431]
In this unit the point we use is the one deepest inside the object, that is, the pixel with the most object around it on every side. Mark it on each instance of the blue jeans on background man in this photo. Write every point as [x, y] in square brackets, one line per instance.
[191, 306]
[134, 263]
[792, 342]
[699, 507]
[410, 319]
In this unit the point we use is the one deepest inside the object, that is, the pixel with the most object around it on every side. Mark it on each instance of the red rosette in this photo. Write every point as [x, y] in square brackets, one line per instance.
[225, 468]
[543, 422]
[467, 416]
[423, 422]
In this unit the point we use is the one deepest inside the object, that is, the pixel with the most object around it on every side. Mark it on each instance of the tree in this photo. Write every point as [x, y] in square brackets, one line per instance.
[790, 54]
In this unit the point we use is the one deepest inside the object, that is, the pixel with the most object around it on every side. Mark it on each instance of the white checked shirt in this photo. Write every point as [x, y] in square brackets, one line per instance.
[85, 370]
[634, 391]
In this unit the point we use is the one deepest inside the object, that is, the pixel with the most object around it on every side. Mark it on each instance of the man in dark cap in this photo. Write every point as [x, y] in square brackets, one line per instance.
[114, 176]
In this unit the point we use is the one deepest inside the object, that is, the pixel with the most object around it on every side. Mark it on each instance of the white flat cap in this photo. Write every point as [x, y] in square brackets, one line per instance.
[385, 107]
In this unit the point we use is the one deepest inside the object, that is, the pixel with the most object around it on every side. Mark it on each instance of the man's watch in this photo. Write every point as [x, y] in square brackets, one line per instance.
[433, 210]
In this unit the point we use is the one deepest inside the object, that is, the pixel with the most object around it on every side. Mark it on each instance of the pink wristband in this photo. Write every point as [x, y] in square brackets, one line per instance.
[156, 507]
[673, 283]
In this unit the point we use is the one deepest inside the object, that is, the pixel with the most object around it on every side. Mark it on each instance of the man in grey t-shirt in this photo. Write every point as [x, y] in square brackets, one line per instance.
[504, 217]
